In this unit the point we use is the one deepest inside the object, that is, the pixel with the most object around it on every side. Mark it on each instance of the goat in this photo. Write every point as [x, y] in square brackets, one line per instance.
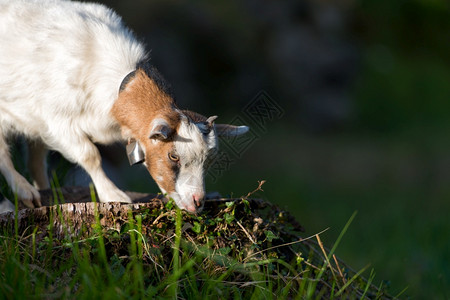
[71, 75]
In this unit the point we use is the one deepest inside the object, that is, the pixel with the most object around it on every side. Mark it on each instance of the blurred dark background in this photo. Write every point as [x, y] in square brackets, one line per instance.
[364, 91]
[353, 101]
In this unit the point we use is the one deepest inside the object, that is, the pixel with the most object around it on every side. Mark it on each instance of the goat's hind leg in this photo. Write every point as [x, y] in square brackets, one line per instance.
[37, 163]
[5, 204]
[25, 192]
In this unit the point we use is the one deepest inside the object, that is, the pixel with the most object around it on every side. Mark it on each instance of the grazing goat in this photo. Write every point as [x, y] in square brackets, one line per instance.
[71, 75]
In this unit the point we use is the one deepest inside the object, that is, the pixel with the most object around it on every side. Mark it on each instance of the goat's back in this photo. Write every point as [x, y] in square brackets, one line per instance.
[61, 62]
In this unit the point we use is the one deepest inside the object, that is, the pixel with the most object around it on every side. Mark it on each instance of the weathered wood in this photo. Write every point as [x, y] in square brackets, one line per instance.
[76, 213]
[70, 210]
[77, 194]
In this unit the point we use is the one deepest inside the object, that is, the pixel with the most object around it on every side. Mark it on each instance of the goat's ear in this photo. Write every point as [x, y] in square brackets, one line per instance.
[160, 130]
[226, 130]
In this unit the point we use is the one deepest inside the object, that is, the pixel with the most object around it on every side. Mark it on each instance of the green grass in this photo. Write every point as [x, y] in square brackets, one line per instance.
[167, 253]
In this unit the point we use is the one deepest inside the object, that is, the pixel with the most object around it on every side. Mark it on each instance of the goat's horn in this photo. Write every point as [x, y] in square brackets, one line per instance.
[206, 126]
[210, 120]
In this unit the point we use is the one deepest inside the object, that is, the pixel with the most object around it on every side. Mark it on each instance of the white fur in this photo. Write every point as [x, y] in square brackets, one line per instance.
[61, 65]
[193, 148]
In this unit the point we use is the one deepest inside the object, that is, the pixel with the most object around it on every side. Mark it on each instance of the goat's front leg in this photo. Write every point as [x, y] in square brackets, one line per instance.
[25, 192]
[83, 152]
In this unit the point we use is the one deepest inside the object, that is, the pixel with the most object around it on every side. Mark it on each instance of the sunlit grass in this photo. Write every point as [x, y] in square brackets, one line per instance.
[172, 254]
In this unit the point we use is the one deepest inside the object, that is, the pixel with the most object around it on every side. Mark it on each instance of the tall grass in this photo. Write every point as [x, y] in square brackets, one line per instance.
[167, 253]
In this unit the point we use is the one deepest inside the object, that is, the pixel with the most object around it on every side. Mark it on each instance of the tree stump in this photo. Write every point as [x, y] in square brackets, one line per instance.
[70, 211]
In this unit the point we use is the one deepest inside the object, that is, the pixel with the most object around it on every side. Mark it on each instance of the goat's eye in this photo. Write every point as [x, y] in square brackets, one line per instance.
[173, 157]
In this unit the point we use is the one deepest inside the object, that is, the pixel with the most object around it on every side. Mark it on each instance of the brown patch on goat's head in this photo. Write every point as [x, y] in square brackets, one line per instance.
[157, 160]
[194, 117]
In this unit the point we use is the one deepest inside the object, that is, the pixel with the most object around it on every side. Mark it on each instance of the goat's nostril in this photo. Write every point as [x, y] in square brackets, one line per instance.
[197, 200]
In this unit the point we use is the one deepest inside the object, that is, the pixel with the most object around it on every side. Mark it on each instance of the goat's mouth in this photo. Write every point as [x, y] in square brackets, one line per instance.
[190, 203]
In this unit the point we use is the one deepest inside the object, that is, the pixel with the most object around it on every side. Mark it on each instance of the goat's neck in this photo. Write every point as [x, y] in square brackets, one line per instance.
[139, 103]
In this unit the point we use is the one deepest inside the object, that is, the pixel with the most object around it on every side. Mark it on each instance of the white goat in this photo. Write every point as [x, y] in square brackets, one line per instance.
[72, 75]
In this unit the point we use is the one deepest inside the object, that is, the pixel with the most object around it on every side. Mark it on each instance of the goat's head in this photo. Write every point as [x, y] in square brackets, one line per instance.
[175, 144]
